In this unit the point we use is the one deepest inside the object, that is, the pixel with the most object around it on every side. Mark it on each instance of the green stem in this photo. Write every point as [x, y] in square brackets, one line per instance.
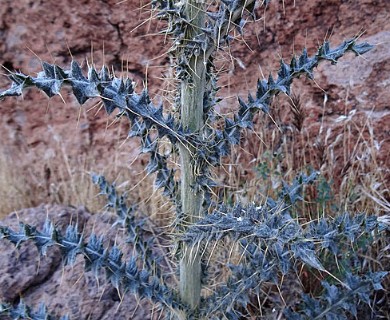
[192, 91]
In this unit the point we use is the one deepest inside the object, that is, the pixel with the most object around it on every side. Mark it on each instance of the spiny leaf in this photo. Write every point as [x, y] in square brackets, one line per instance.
[82, 88]
[23, 311]
[362, 48]
[72, 244]
[302, 251]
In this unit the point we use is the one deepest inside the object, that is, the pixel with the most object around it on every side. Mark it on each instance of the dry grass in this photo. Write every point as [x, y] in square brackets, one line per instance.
[347, 154]
[61, 181]
[60, 176]
[15, 192]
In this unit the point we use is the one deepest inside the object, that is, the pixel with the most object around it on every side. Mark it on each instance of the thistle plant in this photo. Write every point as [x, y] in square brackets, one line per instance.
[271, 243]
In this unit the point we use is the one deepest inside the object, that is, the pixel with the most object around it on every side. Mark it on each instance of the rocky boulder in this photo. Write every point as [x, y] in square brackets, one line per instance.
[64, 290]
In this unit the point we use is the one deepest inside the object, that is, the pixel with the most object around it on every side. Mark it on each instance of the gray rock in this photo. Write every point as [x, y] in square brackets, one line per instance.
[64, 289]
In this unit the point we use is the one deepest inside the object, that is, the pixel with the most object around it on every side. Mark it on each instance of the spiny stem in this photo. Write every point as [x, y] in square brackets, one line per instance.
[192, 92]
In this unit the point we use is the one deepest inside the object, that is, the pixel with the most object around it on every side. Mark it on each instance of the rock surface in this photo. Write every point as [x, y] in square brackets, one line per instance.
[65, 290]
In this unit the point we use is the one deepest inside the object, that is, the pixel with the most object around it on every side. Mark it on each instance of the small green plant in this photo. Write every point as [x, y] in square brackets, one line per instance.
[271, 243]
